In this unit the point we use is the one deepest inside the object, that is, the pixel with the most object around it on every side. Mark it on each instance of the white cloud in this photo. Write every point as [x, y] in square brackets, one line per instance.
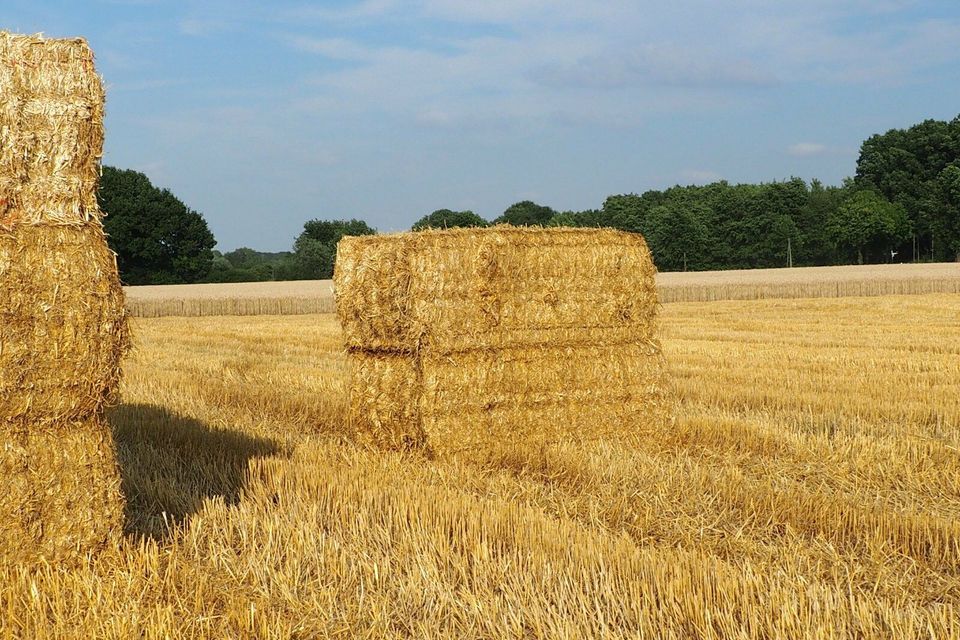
[434, 117]
[700, 176]
[813, 48]
[337, 48]
[548, 60]
[489, 11]
[815, 149]
[656, 65]
[366, 10]
[198, 27]
[150, 84]
[805, 149]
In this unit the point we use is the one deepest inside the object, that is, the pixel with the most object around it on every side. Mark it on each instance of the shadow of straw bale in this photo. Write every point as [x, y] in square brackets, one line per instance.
[170, 463]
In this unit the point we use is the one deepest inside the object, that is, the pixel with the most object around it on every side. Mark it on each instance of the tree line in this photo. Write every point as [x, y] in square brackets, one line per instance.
[902, 204]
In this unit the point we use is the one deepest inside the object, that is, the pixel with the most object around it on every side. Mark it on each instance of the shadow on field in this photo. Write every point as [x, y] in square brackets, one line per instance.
[170, 463]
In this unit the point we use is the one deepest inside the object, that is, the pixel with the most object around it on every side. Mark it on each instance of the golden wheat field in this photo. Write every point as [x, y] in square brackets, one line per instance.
[809, 488]
[316, 296]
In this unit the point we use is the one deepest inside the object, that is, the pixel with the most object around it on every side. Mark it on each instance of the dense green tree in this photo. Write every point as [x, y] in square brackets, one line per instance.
[224, 271]
[243, 258]
[248, 265]
[869, 226]
[565, 219]
[945, 212]
[447, 219]
[762, 235]
[904, 166]
[590, 218]
[678, 236]
[329, 232]
[157, 238]
[627, 212]
[315, 250]
[314, 259]
[526, 213]
[288, 268]
[817, 246]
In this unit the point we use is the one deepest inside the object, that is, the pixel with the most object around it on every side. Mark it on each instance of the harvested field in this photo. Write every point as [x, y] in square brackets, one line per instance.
[811, 282]
[316, 296]
[233, 299]
[810, 488]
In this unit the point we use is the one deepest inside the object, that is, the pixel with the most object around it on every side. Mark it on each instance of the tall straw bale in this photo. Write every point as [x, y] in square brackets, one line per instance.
[464, 337]
[63, 327]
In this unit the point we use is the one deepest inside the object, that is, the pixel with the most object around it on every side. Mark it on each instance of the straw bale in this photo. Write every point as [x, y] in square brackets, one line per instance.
[51, 131]
[497, 287]
[63, 323]
[459, 402]
[63, 327]
[385, 399]
[60, 497]
[463, 338]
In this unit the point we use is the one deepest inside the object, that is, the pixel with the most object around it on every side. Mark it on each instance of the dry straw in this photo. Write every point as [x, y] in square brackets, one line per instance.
[464, 338]
[63, 327]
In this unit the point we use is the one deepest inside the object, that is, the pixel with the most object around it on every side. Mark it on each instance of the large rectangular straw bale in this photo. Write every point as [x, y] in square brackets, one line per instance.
[466, 337]
[469, 289]
[63, 327]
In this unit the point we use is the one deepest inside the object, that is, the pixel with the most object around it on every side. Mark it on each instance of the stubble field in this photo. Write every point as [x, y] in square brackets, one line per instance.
[810, 487]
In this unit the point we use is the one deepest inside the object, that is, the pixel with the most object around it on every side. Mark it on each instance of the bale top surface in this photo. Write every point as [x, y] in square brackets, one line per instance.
[496, 287]
[51, 131]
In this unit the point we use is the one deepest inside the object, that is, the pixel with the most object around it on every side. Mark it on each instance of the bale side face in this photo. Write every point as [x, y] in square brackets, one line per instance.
[51, 131]
[469, 339]
[60, 493]
[500, 287]
[385, 397]
[464, 403]
[63, 326]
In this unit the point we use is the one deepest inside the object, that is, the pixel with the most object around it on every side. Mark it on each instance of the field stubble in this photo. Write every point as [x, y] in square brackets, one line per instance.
[809, 488]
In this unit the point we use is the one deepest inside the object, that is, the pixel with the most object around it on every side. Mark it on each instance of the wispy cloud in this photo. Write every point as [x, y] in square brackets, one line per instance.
[201, 27]
[655, 65]
[805, 149]
[146, 85]
[336, 48]
[130, 3]
[815, 149]
[812, 48]
[156, 170]
[700, 176]
[360, 11]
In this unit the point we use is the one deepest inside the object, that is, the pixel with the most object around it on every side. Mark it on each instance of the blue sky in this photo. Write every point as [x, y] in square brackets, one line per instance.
[262, 115]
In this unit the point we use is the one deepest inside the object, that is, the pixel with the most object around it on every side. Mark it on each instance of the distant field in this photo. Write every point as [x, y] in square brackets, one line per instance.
[316, 296]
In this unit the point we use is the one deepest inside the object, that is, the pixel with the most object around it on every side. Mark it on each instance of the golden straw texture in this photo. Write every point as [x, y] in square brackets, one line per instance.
[61, 497]
[464, 336]
[51, 131]
[63, 327]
